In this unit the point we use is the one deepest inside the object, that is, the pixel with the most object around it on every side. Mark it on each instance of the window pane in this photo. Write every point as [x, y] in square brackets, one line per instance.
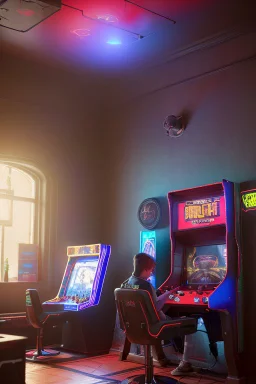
[4, 177]
[22, 184]
[5, 211]
[21, 231]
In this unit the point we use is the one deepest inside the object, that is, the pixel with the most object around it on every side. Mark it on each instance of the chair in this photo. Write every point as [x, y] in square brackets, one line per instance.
[38, 318]
[142, 325]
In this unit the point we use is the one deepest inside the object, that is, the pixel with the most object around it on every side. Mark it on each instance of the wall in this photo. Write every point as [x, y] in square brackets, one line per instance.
[219, 141]
[44, 120]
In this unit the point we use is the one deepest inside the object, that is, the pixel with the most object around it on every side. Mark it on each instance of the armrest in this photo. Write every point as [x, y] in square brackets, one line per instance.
[48, 315]
[172, 328]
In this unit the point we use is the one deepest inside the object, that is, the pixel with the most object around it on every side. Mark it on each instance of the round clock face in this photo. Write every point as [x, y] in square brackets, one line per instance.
[149, 213]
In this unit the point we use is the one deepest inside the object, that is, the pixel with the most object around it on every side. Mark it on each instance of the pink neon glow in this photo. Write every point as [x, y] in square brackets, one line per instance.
[26, 12]
[81, 32]
[183, 224]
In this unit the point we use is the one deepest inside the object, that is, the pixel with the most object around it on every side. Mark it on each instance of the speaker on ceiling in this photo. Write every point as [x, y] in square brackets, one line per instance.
[22, 15]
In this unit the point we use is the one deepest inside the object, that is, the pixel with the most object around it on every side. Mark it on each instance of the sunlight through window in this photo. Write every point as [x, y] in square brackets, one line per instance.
[18, 207]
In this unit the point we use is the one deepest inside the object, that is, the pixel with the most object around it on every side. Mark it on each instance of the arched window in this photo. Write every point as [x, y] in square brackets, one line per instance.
[20, 187]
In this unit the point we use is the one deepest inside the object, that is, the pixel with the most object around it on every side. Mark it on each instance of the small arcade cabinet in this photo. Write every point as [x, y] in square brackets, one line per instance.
[79, 293]
[148, 245]
[205, 262]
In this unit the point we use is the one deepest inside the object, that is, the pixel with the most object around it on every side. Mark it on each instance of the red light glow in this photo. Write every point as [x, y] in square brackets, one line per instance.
[26, 12]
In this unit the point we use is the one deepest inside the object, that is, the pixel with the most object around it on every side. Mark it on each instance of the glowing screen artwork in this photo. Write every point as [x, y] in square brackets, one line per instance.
[248, 200]
[206, 265]
[202, 212]
[81, 281]
[148, 245]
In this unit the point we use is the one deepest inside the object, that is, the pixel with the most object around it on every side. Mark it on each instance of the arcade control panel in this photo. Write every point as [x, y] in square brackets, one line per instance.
[189, 295]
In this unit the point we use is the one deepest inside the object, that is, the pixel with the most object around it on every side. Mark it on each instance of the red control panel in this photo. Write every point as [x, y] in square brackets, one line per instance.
[181, 296]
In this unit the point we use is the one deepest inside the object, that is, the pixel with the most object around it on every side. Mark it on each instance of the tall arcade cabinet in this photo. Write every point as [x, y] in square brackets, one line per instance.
[199, 217]
[248, 236]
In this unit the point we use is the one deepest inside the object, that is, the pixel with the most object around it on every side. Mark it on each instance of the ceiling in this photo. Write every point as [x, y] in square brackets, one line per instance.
[116, 36]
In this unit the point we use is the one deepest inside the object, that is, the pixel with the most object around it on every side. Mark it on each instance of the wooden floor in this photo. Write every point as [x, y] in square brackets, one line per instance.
[107, 369]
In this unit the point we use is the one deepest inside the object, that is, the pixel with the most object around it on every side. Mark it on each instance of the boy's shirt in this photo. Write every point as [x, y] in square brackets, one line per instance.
[135, 282]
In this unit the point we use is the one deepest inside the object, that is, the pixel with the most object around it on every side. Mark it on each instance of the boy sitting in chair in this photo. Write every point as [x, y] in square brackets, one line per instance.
[144, 265]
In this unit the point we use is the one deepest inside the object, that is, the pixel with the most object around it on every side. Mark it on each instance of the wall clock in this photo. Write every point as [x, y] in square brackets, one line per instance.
[149, 213]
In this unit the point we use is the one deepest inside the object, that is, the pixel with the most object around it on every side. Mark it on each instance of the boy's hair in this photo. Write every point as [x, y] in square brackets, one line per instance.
[142, 261]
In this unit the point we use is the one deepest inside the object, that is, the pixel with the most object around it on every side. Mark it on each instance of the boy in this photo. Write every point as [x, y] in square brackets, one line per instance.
[143, 266]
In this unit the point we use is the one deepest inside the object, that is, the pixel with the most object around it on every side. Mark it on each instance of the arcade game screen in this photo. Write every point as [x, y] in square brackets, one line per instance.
[206, 265]
[81, 281]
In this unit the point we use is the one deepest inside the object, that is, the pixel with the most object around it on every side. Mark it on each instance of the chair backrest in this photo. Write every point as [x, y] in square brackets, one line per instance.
[34, 308]
[136, 312]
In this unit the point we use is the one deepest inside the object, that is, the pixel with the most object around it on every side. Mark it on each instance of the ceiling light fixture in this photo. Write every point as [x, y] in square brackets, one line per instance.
[149, 10]
[111, 25]
[108, 18]
[114, 42]
[81, 32]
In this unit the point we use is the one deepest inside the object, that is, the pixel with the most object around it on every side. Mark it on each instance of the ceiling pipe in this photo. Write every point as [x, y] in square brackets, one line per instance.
[149, 10]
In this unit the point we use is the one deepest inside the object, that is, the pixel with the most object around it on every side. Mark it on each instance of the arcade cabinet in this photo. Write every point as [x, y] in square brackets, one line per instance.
[248, 247]
[79, 295]
[148, 245]
[205, 264]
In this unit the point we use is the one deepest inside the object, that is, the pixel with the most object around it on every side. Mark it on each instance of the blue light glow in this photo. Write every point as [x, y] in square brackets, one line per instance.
[114, 42]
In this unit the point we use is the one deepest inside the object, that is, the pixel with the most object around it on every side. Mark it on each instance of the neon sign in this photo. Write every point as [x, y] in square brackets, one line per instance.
[248, 200]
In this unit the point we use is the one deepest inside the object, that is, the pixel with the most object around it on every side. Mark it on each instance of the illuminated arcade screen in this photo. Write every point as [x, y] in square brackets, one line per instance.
[200, 213]
[81, 280]
[206, 265]
[148, 245]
